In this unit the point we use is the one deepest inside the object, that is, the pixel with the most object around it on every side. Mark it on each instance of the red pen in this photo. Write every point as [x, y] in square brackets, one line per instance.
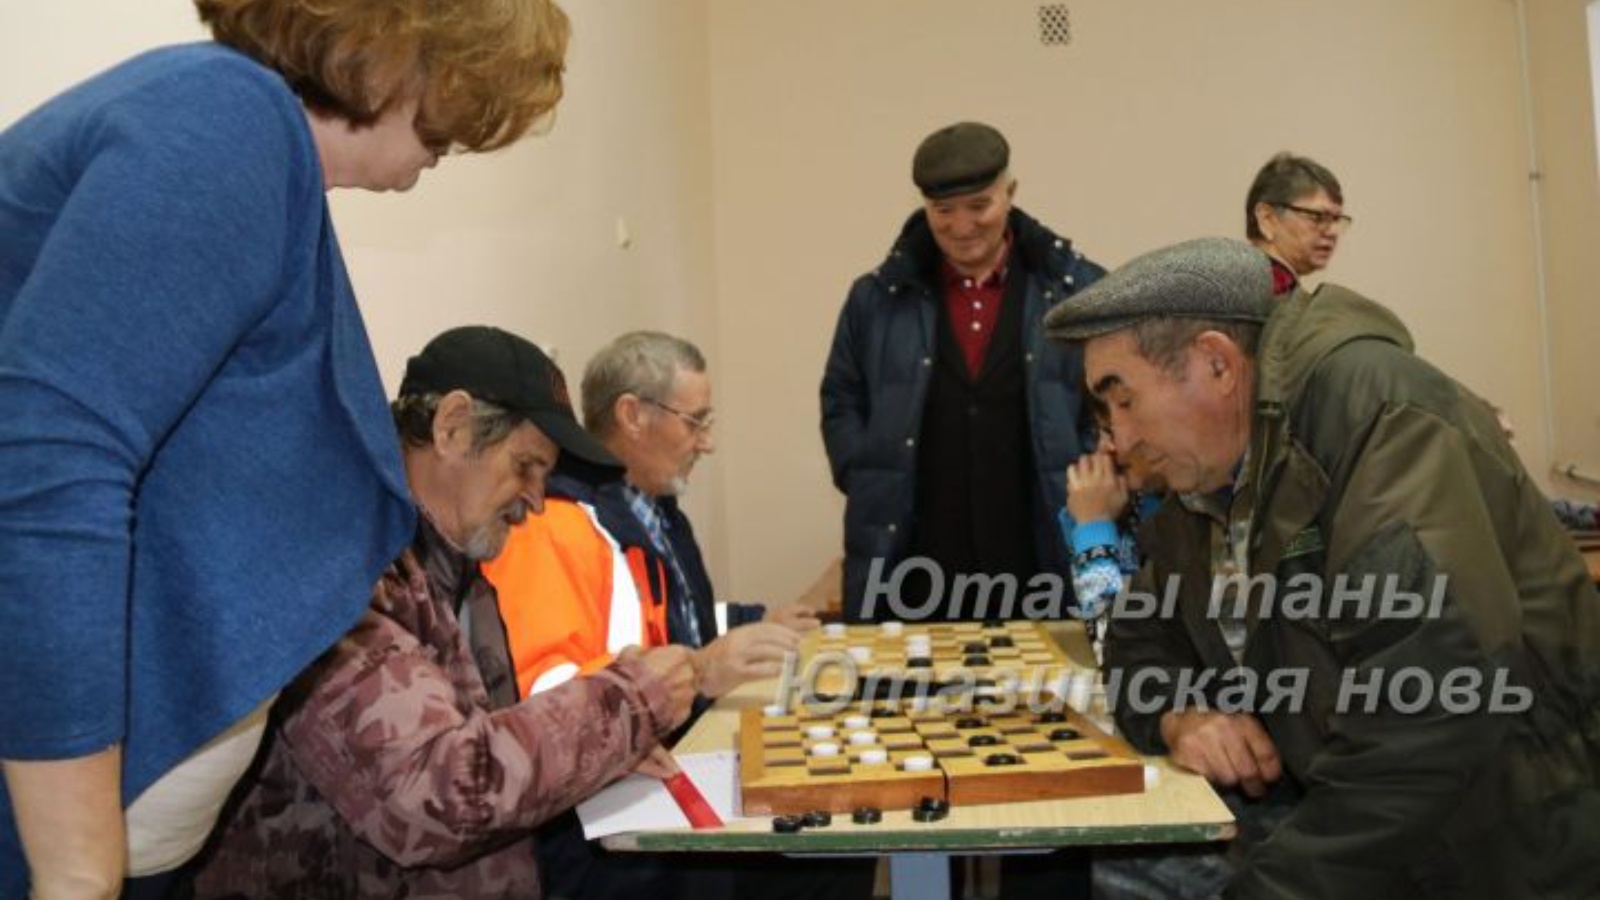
[692, 802]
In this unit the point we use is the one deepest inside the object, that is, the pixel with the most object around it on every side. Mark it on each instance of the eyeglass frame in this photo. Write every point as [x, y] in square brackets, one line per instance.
[701, 423]
[1321, 218]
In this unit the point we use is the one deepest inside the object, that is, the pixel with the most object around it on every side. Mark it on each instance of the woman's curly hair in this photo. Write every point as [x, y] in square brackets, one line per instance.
[487, 70]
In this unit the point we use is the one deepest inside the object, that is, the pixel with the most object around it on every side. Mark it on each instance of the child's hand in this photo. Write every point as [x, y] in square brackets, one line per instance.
[1096, 491]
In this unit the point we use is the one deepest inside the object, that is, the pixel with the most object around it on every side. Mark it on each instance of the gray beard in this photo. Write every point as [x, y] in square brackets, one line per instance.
[486, 542]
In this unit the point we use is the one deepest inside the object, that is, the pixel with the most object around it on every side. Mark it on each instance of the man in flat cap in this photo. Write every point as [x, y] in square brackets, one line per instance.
[949, 420]
[1376, 610]
[402, 762]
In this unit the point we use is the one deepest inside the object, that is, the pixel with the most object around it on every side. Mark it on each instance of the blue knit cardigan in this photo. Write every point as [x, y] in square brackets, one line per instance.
[199, 479]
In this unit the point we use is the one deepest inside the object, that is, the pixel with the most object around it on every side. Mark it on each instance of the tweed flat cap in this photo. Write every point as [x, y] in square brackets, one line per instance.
[959, 159]
[1209, 278]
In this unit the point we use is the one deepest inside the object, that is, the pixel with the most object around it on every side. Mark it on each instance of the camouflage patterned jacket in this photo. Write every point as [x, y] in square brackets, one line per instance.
[389, 773]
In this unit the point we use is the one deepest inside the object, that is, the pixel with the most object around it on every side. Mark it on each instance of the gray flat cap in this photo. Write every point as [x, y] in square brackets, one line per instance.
[1209, 278]
[959, 159]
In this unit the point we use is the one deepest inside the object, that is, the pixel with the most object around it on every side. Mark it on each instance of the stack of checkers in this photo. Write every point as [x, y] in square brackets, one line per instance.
[890, 755]
[818, 818]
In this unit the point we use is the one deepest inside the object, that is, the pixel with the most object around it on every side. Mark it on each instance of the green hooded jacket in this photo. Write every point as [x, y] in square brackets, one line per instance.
[1375, 470]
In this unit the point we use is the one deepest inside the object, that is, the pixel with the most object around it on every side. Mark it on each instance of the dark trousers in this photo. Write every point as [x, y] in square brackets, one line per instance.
[577, 869]
[1057, 875]
[173, 885]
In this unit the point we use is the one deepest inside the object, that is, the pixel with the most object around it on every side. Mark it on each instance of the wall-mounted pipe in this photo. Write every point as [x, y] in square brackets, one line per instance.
[1535, 190]
[1573, 471]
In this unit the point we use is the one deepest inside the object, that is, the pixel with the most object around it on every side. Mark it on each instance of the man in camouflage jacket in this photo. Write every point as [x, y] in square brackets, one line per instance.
[401, 765]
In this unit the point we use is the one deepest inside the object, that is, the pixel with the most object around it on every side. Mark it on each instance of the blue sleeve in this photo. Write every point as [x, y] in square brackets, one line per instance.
[1089, 535]
[167, 248]
[744, 613]
[1081, 536]
[1097, 580]
[1096, 584]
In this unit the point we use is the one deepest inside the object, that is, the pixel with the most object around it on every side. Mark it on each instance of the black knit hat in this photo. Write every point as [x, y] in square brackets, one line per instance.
[498, 367]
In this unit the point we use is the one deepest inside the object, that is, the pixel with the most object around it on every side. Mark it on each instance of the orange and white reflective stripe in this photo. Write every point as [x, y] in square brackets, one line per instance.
[624, 618]
[625, 627]
[553, 677]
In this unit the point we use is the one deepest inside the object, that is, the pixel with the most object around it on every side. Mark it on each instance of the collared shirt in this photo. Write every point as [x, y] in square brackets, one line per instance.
[974, 307]
[644, 509]
[1283, 279]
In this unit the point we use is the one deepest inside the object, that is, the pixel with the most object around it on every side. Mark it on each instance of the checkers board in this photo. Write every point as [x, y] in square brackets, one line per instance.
[890, 755]
[980, 654]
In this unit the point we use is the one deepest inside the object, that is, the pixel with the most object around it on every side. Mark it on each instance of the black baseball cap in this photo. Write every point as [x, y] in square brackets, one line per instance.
[498, 367]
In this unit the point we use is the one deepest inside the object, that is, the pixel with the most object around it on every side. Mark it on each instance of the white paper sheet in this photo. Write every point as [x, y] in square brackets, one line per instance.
[637, 803]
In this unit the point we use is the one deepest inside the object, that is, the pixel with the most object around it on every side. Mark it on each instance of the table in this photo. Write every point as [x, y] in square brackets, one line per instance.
[1180, 808]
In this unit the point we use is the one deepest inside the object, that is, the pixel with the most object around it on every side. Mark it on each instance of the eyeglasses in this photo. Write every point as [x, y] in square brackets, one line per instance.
[701, 423]
[1337, 223]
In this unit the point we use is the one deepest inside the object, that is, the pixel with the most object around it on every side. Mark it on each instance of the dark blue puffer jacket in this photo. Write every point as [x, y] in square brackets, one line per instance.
[876, 383]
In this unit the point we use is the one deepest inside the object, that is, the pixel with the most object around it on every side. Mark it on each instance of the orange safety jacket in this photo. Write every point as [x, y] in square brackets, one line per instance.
[572, 597]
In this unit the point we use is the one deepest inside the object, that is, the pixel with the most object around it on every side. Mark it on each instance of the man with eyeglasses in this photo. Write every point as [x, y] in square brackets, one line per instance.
[1294, 212]
[614, 562]
[617, 551]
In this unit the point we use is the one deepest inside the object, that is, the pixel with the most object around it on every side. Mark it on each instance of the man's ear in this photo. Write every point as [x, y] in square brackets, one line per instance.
[452, 424]
[1264, 213]
[629, 414]
[1221, 360]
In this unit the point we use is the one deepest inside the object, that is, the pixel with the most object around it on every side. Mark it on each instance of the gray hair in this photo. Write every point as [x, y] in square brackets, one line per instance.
[414, 413]
[642, 363]
[1164, 341]
[1284, 179]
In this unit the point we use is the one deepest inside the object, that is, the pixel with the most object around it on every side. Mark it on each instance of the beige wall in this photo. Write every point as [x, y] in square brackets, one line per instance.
[758, 153]
[525, 238]
[1570, 221]
[1146, 130]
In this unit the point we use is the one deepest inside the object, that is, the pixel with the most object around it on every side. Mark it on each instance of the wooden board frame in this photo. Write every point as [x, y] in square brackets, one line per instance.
[776, 770]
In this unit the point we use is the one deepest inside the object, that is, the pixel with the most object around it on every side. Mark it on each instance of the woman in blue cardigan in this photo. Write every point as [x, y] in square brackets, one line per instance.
[199, 479]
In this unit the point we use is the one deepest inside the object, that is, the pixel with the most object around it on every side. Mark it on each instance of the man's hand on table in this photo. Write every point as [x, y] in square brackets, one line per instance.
[795, 616]
[1229, 749]
[744, 654]
[659, 764]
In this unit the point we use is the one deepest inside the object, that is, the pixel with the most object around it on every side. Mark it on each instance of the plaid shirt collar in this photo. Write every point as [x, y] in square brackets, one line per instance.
[649, 515]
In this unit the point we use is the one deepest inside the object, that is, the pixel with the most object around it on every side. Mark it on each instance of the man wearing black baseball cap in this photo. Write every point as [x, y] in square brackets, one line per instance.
[497, 367]
[949, 421]
[403, 763]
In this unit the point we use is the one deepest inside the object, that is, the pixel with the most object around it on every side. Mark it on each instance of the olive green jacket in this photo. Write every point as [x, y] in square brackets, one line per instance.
[1369, 462]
